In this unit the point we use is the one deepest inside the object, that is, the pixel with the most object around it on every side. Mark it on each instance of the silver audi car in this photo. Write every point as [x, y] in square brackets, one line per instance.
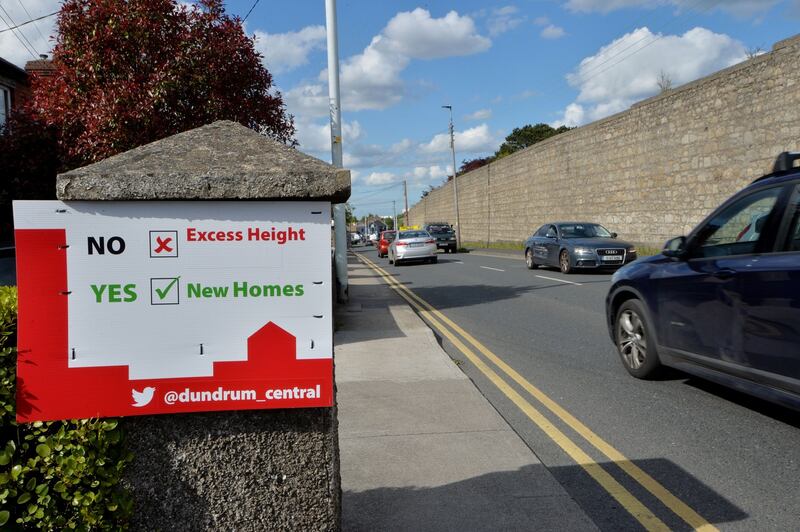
[412, 245]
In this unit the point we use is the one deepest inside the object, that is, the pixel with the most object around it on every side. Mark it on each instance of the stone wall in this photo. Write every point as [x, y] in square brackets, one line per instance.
[649, 173]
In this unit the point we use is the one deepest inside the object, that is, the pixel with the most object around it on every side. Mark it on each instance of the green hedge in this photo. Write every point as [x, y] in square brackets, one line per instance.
[55, 475]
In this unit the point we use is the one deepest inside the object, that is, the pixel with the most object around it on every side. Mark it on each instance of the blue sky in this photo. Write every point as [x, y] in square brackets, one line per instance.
[500, 65]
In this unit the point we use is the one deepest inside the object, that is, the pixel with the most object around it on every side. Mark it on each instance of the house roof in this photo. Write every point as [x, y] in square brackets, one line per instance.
[12, 71]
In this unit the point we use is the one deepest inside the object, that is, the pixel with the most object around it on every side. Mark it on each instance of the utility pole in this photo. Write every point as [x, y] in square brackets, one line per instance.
[339, 217]
[394, 210]
[405, 195]
[455, 182]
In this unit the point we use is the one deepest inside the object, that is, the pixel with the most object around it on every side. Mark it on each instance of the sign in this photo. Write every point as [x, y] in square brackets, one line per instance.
[133, 308]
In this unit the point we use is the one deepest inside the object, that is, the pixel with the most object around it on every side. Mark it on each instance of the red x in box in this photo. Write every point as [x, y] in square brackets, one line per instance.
[163, 244]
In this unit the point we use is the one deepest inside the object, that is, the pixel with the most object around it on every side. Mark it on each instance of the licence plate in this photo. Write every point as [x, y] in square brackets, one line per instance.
[612, 257]
[417, 244]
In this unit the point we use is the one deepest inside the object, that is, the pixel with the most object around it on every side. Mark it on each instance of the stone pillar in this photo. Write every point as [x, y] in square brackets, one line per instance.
[245, 470]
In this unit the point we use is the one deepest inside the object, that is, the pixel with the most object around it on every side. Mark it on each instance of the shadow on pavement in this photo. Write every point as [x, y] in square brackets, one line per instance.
[486, 502]
[777, 412]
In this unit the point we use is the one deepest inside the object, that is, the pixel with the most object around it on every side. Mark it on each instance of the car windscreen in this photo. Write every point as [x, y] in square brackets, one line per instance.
[438, 229]
[583, 231]
[404, 235]
[388, 236]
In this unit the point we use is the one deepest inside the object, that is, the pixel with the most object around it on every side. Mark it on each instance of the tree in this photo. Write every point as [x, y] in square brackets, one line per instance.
[522, 137]
[754, 52]
[469, 165]
[349, 217]
[664, 81]
[129, 72]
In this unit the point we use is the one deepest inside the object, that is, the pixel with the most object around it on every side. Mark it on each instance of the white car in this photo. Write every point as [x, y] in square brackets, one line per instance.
[413, 245]
[355, 238]
[373, 238]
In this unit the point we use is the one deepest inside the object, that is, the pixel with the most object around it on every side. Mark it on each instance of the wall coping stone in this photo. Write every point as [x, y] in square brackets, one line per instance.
[222, 160]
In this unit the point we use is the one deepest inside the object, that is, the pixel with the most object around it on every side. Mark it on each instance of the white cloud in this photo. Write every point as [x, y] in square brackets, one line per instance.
[36, 35]
[316, 138]
[611, 80]
[380, 178]
[552, 32]
[474, 140]
[371, 79]
[504, 19]
[740, 8]
[480, 114]
[541, 21]
[285, 51]
[417, 35]
[427, 173]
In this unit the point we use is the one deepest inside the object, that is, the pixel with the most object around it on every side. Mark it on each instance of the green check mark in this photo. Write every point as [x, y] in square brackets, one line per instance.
[162, 292]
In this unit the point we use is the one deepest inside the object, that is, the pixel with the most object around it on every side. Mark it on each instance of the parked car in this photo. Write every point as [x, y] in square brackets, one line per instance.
[373, 239]
[355, 238]
[412, 245]
[722, 303]
[444, 235]
[571, 245]
[383, 243]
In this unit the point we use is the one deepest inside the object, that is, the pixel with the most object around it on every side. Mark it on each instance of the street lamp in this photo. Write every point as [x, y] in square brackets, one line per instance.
[455, 183]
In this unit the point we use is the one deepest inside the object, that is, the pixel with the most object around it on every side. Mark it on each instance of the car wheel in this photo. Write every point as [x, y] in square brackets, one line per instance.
[396, 263]
[635, 342]
[529, 262]
[563, 262]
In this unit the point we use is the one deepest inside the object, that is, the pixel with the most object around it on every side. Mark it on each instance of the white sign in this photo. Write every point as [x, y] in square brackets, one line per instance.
[170, 288]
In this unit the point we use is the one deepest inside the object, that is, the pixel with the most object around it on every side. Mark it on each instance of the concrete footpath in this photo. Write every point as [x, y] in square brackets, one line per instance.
[421, 448]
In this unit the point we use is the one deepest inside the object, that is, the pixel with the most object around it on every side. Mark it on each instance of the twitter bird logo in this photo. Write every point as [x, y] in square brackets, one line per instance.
[144, 397]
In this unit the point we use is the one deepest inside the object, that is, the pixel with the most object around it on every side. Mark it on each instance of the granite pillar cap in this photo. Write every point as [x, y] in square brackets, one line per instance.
[223, 160]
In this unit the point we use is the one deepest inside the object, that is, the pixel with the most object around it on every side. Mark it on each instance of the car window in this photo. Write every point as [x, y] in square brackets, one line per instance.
[541, 231]
[583, 231]
[737, 229]
[413, 234]
[793, 240]
[551, 231]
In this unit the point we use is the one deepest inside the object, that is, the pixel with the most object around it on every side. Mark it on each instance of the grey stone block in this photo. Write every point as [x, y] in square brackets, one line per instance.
[246, 470]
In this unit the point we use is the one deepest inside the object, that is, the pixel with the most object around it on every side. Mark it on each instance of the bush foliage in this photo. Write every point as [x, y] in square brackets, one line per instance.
[55, 475]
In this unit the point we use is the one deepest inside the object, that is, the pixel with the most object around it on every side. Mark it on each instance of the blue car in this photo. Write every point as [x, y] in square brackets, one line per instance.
[722, 303]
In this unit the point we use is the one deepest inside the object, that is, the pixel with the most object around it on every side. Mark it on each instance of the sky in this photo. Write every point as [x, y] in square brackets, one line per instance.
[500, 65]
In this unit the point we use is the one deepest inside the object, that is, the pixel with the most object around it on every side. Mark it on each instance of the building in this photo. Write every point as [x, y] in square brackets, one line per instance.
[14, 88]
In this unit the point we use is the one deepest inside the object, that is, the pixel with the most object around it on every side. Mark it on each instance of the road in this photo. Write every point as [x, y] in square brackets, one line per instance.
[677, 453]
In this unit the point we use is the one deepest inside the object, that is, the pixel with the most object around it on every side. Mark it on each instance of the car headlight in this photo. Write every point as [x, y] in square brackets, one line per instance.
[632, 250]
[583, 251]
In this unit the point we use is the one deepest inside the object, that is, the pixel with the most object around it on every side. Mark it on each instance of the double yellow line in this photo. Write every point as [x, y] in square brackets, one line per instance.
[628, 501]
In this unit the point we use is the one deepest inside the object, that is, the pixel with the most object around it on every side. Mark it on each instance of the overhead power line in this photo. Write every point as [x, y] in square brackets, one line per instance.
[29, 21]
[595, 70]
[21, 41]
[251, 10]
[30, 17]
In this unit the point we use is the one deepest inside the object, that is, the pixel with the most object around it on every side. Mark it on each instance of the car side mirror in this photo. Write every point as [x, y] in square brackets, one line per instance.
[675, 248]
[613, 235]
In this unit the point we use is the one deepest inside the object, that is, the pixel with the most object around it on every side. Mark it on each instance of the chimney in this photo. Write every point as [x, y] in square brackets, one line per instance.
[42, 67]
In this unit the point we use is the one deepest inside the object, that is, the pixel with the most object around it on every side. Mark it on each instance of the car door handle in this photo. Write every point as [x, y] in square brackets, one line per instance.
[724, 273]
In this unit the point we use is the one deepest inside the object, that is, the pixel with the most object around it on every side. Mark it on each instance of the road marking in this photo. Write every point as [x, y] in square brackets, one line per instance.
[559, 280]
[616, 490]
[458, 262]
[490, 268]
